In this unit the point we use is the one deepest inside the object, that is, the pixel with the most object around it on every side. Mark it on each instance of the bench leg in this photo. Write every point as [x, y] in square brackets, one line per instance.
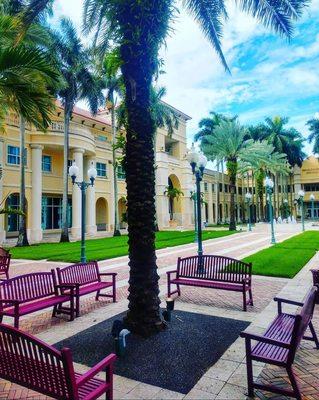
[54, 311]
[244, 301]
[77, 306]
[249, 365]
[314, 335]
[251, 297]
[97, 295]
[294, 383]
[16, 321]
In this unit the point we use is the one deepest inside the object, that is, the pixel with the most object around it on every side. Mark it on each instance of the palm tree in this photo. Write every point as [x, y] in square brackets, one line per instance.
[313, 125]
[140, 28]
[172, 194]
[285, 140]
[227, 142]
[114, 87]
[27, 81]
[75, 65]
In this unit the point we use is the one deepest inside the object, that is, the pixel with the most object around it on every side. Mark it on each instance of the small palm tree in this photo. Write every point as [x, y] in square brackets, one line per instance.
[75, 65]
[172, 194]
[313, 125]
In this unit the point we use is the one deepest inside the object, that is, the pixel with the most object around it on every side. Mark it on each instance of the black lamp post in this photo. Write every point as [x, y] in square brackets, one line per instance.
[198, 163]
[92, 173]
[312, 199]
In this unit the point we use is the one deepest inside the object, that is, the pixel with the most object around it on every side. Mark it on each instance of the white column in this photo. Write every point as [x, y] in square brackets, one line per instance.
[76, 195]
[36, 194]
[2, 231]
[90, 202]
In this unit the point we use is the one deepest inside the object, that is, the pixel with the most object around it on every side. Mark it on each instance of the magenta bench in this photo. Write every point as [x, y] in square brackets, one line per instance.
[86, 278]
[29, 362]
[278, 345]
[25, 294]
[214, 272]
[5, 258]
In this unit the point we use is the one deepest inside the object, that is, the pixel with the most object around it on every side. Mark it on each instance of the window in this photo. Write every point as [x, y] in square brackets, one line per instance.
[46, 163]
[52, 212]
[13, 202]
[213, 187]
[226, 188]
[220, 187]
[13, 155]
[311, 187]
[240, 190]
[101, 169]
[70, 163]
[120, 172]
[206, 186]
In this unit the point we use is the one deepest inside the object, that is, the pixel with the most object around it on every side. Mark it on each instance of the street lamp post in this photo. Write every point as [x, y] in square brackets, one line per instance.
[248, 197]
[92, 173]
[312, 199]
[194, 197]
[198, 163]
[301, 194]
[269, 190]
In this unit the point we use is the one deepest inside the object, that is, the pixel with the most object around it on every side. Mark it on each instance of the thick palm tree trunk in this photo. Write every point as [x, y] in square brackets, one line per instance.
[223, 193]
[141, 24]
[217, 196]
[23, 237]
[65, 219]
[117, 231]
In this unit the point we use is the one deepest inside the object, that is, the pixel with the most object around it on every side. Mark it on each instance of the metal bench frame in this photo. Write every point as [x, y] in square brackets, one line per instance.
[281, 338]
[86, 278]
[215, 272]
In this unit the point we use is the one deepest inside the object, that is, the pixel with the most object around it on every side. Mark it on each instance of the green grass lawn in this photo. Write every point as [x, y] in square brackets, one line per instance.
[285, 259]
[105, 248]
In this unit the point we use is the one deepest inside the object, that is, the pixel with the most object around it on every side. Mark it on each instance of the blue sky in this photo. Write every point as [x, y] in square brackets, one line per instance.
[269, 76]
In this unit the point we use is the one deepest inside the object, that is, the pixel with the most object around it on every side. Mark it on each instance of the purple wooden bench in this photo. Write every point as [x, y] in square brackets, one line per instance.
[86, 279]
[215, 272]
[25, 294]
[278, 345]
[29, 362]
[5, 258]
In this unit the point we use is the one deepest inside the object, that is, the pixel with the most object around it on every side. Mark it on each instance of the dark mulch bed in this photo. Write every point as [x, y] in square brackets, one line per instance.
[175, 359]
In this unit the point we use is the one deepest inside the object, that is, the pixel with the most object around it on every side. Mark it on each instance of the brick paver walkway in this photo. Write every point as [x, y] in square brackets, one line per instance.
[236, 246]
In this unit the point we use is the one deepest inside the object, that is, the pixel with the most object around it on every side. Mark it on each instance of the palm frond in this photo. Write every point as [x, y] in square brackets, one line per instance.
[211, 16]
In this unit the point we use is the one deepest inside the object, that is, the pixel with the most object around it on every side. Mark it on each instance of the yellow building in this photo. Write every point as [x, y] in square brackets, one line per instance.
[90, 141]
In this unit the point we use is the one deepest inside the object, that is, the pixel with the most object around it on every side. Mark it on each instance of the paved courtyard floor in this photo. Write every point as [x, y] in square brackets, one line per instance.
[227, 378]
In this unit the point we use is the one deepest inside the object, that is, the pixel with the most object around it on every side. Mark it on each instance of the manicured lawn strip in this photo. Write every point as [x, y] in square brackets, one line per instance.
[105, 248]
[285, 259]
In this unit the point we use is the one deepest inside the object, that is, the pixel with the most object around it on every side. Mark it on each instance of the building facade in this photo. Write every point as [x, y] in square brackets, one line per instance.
[91, 142]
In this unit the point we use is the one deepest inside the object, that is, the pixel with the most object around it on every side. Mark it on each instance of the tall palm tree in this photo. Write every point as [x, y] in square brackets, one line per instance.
[114, 87]
[228, 142]
[285, 140]
[75, 65]
[140, 28]
[313, 137]
[27, 81]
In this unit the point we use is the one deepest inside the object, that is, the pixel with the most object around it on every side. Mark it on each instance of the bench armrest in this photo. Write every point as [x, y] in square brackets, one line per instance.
[168, 273]
[108, 274]
[281, 300]
[106, 362]
[71, 286]
[263, 339]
